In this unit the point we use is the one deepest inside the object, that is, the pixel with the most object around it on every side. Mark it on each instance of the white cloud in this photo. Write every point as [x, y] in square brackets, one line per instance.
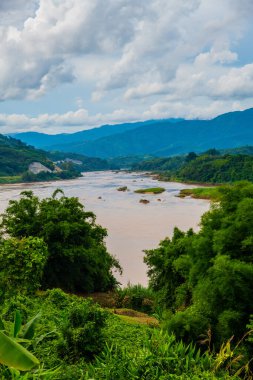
[143, 58]
[196, 109]
[236, 83]
[71, 121]
[58, 32]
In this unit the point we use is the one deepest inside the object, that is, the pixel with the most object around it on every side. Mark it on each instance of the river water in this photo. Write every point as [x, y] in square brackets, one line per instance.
[132, 226]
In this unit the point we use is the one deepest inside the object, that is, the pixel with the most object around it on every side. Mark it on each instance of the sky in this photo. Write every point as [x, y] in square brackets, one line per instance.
[70, 65]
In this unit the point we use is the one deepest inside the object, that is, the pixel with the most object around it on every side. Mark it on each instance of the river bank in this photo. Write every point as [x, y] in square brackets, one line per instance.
[208, 193]
[204, 191]
[132, 226]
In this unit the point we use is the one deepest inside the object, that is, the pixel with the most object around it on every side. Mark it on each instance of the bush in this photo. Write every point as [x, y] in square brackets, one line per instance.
[18, 302]
[188, 325]
[136, 297]
[161, 357]
[57, 298]
[81, 331]
[21, 265]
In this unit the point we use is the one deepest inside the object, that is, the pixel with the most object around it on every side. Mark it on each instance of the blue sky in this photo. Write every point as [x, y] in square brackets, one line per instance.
[69, 65]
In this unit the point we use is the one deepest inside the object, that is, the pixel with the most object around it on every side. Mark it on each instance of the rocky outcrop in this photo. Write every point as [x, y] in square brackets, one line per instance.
[37, 167]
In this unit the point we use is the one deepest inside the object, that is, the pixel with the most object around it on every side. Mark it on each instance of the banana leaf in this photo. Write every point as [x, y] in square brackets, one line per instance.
[17, 323]
[14, 355]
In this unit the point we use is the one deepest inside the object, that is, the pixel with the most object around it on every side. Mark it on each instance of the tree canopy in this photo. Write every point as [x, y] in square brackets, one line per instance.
[77, 256]
[209, 167]
[206, 278]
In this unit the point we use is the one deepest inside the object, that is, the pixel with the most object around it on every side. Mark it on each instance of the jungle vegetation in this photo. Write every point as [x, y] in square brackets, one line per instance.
[209, 167]
[52, 254]
[16, 156]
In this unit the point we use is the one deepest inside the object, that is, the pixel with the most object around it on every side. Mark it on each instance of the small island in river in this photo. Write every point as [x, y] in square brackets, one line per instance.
[151, 190]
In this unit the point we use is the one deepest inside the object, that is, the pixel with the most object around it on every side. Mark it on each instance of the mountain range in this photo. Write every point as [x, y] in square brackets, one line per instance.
[65, 141]
[153, 137]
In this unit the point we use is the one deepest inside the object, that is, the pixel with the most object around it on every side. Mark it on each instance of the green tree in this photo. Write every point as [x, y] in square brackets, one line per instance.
[21, 264]
[191, 156]
[78, 259]
[206, 278]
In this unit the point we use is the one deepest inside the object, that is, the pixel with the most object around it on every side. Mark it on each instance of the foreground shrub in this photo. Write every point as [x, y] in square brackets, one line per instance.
[20, 302]
[136, 297]
[81, 331]
[58, 298]
[161, 357]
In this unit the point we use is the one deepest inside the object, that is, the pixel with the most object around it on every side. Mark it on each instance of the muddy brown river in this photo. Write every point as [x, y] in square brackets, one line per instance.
[132, 226]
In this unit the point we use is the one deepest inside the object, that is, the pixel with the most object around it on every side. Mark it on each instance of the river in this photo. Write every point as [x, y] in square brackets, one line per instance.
[132, 226]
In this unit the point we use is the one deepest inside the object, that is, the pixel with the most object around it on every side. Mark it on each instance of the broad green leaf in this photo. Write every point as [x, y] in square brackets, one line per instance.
[17, 323]
[14, 355]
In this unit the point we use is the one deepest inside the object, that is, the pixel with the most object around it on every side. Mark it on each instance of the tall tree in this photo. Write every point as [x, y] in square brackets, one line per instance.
[77, 256]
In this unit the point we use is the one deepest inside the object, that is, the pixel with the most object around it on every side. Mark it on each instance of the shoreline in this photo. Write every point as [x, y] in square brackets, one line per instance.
[195, 192]
[202, 184]
[205, 193]
[36, 182]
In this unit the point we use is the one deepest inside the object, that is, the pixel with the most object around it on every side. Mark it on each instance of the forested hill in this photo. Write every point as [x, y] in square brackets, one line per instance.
[15, 157]
[165, 138]
[209, 167]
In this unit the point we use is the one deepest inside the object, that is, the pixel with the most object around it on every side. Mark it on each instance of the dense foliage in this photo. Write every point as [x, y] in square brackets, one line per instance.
[210, 167]
[15, 157]
[77, 257]
[126, 162]
[85, 164]
[136, 297]
[160, 164]
[205, 279]
[67, 331]
[75, 339]
[201, 287]
[66, 173]
[22, 264]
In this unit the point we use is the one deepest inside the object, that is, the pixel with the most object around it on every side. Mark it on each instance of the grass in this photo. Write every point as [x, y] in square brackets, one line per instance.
[10, 179]
[135, 317]
[151, 190]
[210, 193]
[149, 321]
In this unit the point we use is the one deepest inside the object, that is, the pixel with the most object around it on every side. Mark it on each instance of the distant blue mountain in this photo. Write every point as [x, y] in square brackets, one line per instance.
[157, 137]
[56, 142]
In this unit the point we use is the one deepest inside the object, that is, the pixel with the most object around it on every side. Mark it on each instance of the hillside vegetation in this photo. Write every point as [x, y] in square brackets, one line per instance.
[209, 167]
[200, 293]
[15, 157]
[85, 163]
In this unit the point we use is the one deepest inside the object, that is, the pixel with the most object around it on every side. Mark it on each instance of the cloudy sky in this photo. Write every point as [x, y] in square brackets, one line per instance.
[69, 65]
